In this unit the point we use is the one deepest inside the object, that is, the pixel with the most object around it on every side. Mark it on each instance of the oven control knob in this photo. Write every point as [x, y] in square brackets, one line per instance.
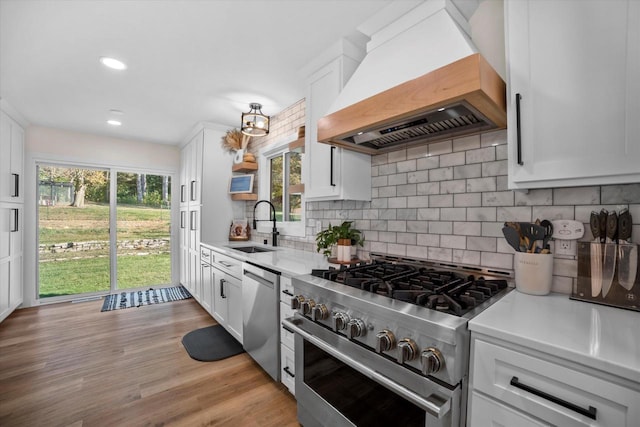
[296, 302]
[319, 312]
[407, 350]
[385, 341]
[356, 328]
[432, 360]
[340, 321]
[307, 306]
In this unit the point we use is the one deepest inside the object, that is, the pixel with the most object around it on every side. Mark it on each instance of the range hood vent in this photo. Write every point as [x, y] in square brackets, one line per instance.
[422, 80]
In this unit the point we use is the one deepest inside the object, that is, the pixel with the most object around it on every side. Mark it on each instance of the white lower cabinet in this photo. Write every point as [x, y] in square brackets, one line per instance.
[516, 386]
[287, 348]
[227, 293]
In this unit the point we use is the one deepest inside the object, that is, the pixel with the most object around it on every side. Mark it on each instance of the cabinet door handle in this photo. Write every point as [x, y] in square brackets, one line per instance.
[16, 185]
[590, 413]
[222, 288]
[226, 264]
[287, 329]
[182, 219]
[14, 219]
[286, 292]
[288, 371]
[518, 130]
[332, 182]
[192, 190]
[192, 220]
[183, 196]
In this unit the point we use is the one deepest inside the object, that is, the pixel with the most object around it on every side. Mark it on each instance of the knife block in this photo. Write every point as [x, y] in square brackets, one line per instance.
[618, 296]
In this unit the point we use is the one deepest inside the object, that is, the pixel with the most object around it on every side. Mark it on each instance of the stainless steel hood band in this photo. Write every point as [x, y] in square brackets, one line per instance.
[434, 409]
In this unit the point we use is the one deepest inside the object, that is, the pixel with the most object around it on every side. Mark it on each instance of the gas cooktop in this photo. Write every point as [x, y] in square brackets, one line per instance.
[442, 289]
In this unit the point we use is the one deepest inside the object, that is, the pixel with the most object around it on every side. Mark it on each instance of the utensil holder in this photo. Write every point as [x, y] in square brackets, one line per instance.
[534, 273]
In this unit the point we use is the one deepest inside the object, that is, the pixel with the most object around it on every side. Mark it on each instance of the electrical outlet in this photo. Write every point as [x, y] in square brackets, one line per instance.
[565, 247]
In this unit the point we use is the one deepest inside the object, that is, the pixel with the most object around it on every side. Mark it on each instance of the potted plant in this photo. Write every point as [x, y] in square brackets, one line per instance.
[343, 235]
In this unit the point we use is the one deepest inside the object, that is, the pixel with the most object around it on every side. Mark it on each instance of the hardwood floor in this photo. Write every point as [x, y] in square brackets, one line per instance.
[72, 365]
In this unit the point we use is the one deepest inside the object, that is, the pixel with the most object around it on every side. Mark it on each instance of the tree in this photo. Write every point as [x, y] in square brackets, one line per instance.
[141, 187]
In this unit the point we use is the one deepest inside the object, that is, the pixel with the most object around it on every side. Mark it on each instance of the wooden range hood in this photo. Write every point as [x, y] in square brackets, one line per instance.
[469, 90]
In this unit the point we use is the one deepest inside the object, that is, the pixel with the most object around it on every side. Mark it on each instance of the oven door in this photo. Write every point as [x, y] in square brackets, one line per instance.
[341, 383]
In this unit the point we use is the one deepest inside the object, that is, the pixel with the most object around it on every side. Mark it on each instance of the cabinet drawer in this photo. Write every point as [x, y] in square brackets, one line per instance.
[227, 264]
[286, 289]
[286, 337]
[503, 373]
[288, 369]
[485, 411]
[205, 254]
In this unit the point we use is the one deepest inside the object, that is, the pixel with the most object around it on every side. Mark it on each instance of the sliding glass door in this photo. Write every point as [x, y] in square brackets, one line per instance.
[101, 230]
[143, 230]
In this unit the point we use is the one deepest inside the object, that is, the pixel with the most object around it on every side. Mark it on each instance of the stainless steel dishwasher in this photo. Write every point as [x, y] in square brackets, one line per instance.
[261, 316]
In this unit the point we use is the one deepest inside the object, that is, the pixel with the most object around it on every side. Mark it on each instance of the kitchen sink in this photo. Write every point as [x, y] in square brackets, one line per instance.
[251, 249]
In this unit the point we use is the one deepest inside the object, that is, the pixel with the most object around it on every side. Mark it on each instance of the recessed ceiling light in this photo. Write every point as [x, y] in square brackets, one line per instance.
[114, 122]
[440, 109]
[113, 63]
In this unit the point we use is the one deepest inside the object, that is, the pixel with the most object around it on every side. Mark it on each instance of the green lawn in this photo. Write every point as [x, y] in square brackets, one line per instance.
[68, 273]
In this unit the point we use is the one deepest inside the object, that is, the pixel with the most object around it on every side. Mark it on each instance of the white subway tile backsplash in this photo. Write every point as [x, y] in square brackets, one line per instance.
[441, 201]
[499, 167]
[417, 201]
[417, 151]
[441, 174]
[426, 163]
[398, 179]
[407, 166]
[616, 194]
[517, 214]
[428, 240]
[439, 148]
[467, 171]
[429, 214]
[397, 226]
[467, 228]
[428, 188]
[408, 214]
[388, 169]
[441, 227]
[553, 212]
[387, 214]
[454, 214]
[453, 186]
[379, 203]
[417, 252]
[440, 254]
[453, 159]
[397, 156]
[466, 257]
[379, 159]
[389, 191]
[537, 197]
[484, 244]
[407, 190]
[370, 214]
[577, 196]
[467, 200]
[387, 236]
[492, 229]
[454, 242]
[490, 139]
[481, 214]
[502, 152]
[379, 181]
[466, 143]
[496, 260]
[481, 155]
[502, 183]
[417, 226]
[497, 198]
[477, 185]
[418, 176]
[562, 285]
[395, 249]
[407, 238]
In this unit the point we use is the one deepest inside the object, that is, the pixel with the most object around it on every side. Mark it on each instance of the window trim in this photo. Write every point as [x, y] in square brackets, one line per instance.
[285, 228]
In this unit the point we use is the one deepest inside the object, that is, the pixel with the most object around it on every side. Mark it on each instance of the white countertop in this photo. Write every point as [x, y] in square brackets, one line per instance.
[599, 337]
[290, 262]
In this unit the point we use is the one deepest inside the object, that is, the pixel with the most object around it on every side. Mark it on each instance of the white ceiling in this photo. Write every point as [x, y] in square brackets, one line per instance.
[188, 60]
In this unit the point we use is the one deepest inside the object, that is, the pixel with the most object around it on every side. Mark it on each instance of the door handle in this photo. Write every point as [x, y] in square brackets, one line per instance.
[16, 185]
[518, 130]
[222, 288]
[182, 219]
[192, 190]
[589, 413]
[183, 196]
[288, 371]
[332, 182]
[14, 219]
[192, 220]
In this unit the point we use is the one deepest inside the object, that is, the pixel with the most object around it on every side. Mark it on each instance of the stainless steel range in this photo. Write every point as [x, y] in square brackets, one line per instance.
[386, 343]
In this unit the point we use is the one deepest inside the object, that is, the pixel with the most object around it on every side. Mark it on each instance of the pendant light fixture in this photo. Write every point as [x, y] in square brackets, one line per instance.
[255, 123]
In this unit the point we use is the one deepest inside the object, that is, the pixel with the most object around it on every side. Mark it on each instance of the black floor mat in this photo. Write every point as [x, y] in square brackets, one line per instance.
[211, 343]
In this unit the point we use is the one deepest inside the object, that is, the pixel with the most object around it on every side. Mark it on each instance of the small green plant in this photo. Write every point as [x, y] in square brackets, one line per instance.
[329, 237]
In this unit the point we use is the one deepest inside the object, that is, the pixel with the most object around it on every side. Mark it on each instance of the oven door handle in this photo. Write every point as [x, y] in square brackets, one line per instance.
[433, 404]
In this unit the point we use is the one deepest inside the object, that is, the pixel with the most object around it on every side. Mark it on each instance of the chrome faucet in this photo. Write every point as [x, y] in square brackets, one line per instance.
[274, 232]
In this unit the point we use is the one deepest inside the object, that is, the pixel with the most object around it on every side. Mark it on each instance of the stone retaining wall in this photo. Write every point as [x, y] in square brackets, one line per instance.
[94, 245]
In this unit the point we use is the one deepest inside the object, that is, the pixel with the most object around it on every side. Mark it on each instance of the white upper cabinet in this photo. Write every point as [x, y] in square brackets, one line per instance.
[332, 173]
[573, 69]
[11, 160]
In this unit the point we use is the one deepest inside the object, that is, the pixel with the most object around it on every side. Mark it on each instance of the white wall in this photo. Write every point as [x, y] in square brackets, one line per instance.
[55, 145]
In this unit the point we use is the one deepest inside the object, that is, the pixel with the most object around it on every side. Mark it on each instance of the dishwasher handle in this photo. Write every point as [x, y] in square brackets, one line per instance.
[259, 279]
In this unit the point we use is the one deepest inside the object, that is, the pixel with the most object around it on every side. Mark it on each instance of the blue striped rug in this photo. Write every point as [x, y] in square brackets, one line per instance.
[144, 297]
